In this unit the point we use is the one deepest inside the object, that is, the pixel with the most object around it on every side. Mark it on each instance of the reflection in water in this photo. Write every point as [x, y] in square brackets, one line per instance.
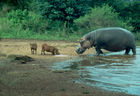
[112, 72]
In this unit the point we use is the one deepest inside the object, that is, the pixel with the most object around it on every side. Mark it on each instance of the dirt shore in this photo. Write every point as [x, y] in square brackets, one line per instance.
[36, 78]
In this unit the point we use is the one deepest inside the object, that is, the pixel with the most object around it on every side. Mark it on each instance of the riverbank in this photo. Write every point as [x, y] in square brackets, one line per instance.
[36, 78]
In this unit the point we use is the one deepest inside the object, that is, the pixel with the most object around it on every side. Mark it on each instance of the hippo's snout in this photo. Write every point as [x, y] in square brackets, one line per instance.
[80, 51]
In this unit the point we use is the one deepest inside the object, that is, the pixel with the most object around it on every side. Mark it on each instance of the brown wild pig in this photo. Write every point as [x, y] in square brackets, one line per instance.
[51, 49]
[33, 47]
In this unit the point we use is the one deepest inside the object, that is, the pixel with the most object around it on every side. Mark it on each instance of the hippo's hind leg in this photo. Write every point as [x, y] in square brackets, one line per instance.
[98, 50]
[134, 50]
[127, 51]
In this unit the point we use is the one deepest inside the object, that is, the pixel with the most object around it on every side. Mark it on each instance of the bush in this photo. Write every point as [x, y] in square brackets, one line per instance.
[7, 30]
[28, 20]
[100, 17]
[137, 36]
[129, 10]
[36, 23]
[28, 25]
[4, 8]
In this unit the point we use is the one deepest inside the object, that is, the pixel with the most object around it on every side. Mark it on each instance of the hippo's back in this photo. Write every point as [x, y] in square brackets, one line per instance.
[113, 30]
[114, 39]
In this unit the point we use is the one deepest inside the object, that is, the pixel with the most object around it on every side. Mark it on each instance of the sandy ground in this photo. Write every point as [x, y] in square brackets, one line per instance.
[36, 78]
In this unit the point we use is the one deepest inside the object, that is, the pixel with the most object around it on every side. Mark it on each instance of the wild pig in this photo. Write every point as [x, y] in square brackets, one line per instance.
[33, 47]
[48, 48]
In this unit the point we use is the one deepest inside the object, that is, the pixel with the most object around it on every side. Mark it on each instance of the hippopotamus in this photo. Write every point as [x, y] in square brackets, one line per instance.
[113, 39]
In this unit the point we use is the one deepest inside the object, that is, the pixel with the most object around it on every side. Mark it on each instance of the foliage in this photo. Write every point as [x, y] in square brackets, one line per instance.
[20, 18]
[22, 4]
[134, 14]
[8, 30]
[129, 11]
[17, 16]
[101, 17]
[137, 36]
[94, 3]
[28, 20]
[63, 10]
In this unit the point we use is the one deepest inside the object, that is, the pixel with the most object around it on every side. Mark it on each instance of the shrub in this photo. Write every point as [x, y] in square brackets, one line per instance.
[129, 10]
[36, 23]
[7, 30]
[28, 20]
[100, 17]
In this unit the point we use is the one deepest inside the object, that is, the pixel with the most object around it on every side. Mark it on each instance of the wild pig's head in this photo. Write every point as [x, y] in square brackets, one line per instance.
[57, 52]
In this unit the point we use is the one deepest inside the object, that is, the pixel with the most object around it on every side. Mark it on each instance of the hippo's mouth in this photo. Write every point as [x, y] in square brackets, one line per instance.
[80, 51]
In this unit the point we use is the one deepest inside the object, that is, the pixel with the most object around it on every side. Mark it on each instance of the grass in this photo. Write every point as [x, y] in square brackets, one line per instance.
[137, 43]
[72, 37]
[86, 92]
[49, 37]
[63, 89]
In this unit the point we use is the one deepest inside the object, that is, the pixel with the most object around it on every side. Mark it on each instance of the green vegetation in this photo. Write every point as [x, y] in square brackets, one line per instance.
[65, 19]
[129, 11]
[86, 92]
[100, 17]
[74, 66]
[65, 11]
[63, 89]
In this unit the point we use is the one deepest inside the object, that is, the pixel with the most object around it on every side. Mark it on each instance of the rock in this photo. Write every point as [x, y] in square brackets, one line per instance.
[20, 59]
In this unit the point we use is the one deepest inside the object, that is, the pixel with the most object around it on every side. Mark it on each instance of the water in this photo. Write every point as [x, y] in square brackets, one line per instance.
[112, 72]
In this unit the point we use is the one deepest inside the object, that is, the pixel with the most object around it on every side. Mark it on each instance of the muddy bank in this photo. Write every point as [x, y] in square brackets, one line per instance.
[36, 78]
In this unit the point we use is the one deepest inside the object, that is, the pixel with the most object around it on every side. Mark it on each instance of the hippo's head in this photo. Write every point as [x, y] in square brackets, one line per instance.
[84, 44]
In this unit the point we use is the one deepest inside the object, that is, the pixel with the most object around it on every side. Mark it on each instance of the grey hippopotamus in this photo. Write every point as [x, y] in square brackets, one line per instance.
[112, 39]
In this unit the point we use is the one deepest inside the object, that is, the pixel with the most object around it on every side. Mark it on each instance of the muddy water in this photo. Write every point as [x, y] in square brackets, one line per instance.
[113, 71]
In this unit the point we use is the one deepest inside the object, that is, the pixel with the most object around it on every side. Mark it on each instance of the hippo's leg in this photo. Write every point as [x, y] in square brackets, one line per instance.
[127, 51]
[98, 50]
[134, 50]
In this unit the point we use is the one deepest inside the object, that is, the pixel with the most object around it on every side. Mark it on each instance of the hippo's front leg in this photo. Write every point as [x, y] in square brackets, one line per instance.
[127, 51]
[98, 50]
